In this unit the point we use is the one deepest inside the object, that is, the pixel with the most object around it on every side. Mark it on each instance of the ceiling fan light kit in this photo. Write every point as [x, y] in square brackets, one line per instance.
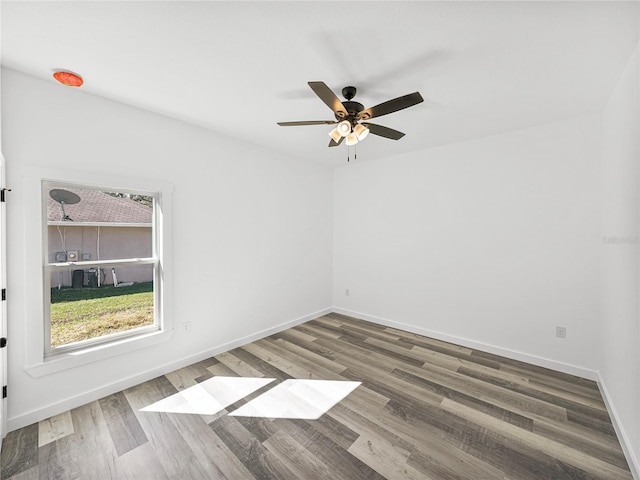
[349, 114]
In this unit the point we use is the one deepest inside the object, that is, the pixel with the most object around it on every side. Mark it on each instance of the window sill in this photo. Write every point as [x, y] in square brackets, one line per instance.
[64, 361]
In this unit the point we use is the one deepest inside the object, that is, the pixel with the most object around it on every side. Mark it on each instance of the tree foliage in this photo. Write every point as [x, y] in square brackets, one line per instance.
[143, 199]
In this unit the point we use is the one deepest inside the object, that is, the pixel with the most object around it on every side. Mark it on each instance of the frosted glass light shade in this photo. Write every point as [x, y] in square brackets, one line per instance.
[361, 131]
[344, 128]
[335, 135]
[352, 139]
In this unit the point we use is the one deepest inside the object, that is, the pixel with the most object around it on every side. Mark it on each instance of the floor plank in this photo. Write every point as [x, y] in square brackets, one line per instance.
[122, 423]
[250, 451]
[53, 428]
[19, 451]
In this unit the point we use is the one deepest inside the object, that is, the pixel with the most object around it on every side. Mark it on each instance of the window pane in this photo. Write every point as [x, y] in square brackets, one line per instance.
[87, 227]
[88, 224]
[89, 312]
[73, 242]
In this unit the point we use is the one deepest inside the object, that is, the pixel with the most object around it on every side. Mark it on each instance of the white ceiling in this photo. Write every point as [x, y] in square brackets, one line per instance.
[237, 68]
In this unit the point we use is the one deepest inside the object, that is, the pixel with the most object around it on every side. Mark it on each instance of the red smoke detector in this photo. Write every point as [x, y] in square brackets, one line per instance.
[69, 79]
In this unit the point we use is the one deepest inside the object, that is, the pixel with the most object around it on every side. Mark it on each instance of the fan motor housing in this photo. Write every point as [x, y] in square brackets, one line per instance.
[352, 108]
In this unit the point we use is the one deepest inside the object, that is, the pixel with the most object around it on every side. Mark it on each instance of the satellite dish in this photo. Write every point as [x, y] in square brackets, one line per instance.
[64, 197]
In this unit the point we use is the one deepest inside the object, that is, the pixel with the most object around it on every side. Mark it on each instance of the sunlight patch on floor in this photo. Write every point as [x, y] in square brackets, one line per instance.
[209, 397]
[300, 399]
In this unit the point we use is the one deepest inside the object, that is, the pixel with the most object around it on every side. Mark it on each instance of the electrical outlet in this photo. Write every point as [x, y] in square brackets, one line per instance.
[561, 332]
[346, 292]
[186, 327]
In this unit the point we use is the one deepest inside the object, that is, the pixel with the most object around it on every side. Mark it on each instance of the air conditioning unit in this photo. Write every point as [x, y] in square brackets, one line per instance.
[61, 257]
[73, 255]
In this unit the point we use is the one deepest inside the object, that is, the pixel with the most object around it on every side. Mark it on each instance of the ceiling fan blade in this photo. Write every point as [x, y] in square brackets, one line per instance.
[333, 143]
[391, 106]
[385, 132]
[309, 122]
[329, 98]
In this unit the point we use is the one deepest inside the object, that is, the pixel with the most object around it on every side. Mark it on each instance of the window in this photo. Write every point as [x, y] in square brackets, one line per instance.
[42, 268]
[101, 265]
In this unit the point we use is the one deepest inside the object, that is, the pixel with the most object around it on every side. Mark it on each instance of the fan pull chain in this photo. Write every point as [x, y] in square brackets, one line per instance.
[355, 152]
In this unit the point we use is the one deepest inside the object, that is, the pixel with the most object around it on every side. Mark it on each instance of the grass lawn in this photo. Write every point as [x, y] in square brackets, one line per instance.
[83, 313]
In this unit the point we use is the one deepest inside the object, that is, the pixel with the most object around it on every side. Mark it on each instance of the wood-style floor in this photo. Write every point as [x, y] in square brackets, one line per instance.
[425, 409]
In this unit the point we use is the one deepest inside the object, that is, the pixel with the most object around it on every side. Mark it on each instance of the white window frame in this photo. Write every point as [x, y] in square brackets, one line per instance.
[40, 359]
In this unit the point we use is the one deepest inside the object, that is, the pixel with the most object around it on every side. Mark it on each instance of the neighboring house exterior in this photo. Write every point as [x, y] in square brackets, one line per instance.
[99, 227]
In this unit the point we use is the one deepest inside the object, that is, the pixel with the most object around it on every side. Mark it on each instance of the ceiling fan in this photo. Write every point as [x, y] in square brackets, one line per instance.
[352, 118]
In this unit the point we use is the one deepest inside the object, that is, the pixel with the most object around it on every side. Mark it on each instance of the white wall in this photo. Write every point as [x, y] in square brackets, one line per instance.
[620, 286]
[490, 243]
[252, 231]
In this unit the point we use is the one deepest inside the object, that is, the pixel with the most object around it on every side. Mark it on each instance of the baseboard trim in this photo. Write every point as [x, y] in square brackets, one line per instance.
[485, 347]
[629, 454]
[53, 409]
